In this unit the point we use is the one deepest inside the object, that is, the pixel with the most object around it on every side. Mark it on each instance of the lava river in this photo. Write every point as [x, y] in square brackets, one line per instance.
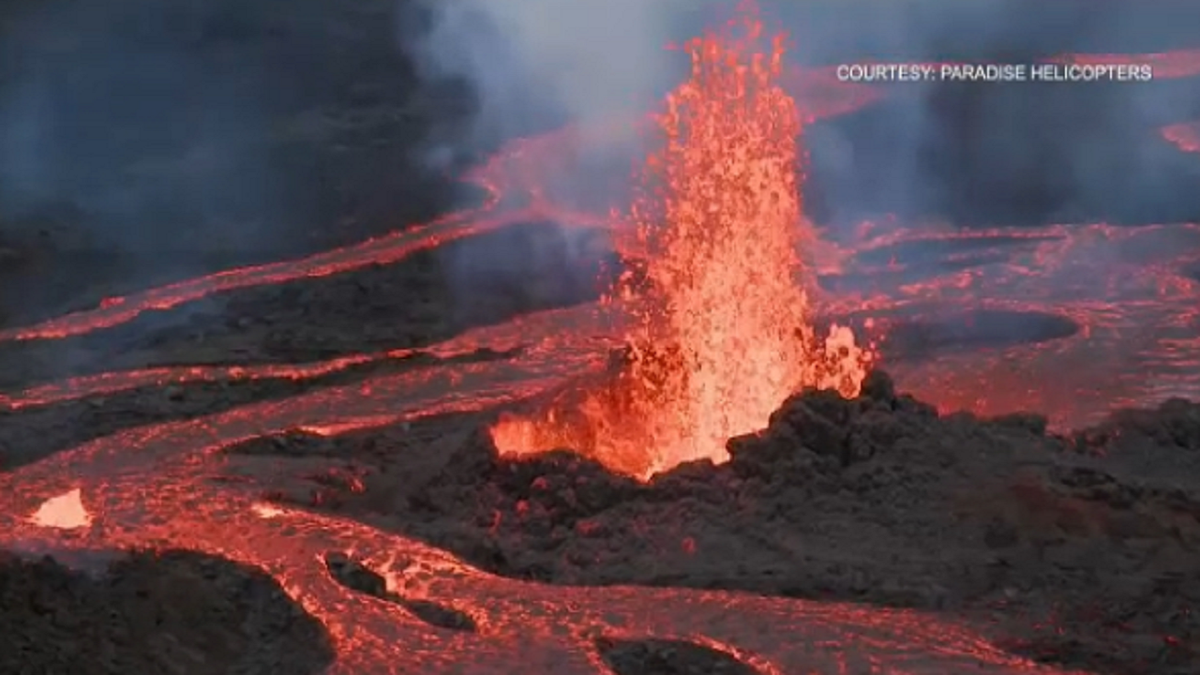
[1126, 290]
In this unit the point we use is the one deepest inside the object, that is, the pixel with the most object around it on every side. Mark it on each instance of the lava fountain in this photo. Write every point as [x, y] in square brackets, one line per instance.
[723, 319]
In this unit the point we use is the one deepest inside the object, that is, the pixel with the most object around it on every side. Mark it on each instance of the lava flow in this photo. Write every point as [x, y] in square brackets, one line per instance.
[725, 331]
[1125, 295]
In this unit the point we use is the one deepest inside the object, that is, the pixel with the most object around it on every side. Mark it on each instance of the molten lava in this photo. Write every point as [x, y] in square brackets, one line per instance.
[717, 268]
[725, 331]
[1185, 135]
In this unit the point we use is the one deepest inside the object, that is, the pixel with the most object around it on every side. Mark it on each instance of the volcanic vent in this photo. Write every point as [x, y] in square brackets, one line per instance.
[723, 326]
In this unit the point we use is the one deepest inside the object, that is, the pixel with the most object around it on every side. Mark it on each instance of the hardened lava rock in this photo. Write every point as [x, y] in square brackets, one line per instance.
[1056, 544]
[153, 612]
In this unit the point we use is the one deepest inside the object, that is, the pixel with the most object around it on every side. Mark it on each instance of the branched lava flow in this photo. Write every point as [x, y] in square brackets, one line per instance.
[153, 486]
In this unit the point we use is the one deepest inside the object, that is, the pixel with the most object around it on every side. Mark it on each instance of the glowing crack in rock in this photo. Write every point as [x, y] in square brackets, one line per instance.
[268, 511]
[64, 512]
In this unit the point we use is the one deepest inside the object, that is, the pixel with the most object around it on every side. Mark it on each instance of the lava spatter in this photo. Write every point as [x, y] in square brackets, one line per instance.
[725, 331]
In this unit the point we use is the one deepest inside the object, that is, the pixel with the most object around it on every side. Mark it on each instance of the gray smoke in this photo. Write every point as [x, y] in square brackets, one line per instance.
[172, 139]
[964, 154]
[176, 132]
[539, 63]
[1002, 154]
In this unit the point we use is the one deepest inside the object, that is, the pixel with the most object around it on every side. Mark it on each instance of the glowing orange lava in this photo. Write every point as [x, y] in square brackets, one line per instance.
[153, 486]
[725, 331]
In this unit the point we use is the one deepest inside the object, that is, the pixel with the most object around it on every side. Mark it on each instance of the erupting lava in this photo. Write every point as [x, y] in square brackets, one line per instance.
[720, 337]
[725, 331]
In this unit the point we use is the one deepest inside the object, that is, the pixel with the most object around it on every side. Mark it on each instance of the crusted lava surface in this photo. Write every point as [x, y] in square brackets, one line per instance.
[1076, 550]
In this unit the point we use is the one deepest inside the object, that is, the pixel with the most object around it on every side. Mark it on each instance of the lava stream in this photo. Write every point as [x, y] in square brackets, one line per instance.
[516, 175]
[153, 487]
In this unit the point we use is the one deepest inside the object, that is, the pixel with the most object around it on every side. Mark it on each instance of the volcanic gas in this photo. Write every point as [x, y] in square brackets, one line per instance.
[726, 301]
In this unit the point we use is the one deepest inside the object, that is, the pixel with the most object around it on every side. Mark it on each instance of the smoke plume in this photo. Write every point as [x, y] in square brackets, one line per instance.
[970, 154]
[200, 134]
[147, 141]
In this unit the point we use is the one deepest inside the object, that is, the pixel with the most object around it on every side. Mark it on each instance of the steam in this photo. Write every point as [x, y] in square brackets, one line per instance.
[111, 112]
[534, 66]
[539, 63]
[146, 141]
[169, 131]
[994, 153]
[971, 154]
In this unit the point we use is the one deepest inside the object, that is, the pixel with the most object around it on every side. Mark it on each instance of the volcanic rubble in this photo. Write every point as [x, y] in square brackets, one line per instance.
[1079, 550]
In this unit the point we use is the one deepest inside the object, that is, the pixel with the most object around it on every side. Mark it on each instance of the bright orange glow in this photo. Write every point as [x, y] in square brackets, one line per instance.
[725, 331]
